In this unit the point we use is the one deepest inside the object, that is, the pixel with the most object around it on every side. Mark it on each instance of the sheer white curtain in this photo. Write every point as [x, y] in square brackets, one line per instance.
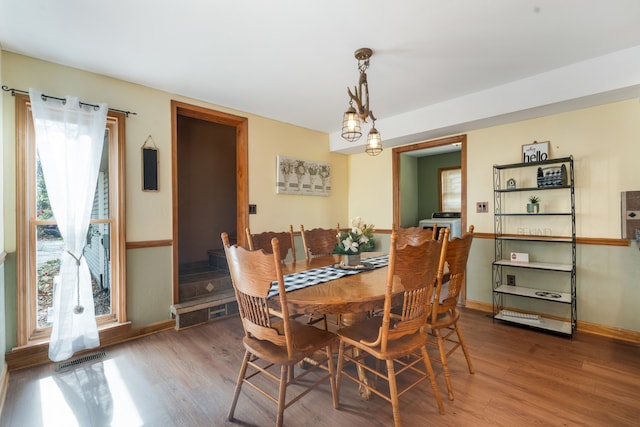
[69, 139]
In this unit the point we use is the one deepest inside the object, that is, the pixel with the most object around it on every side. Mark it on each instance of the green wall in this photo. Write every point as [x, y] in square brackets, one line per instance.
[419, 185]
[409, 190]
[428, 177]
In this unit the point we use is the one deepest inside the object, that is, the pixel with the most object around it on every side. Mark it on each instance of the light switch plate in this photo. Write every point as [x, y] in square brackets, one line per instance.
[630, 213]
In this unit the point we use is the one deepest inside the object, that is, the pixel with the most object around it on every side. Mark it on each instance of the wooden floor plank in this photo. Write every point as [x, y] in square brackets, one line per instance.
[186, 378]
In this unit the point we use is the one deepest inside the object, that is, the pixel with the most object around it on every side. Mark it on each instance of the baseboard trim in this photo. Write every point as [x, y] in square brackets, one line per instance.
[479, 306]
[38, 354]
[581, 326]
[609, 332]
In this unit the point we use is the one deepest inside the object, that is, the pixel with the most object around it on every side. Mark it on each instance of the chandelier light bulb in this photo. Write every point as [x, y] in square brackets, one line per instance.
[351, 130]
[374, 142]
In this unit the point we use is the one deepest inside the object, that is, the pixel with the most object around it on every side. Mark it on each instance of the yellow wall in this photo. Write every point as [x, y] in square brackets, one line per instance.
[276, 212]
[148, 214]
[370, 188]
[605, 144]
[604, 140]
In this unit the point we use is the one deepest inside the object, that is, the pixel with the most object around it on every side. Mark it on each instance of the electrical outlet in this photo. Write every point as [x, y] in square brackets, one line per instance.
[511, 279]
[482, 207]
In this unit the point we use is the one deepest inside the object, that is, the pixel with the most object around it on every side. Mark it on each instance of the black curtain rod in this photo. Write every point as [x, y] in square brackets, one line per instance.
[13, 93]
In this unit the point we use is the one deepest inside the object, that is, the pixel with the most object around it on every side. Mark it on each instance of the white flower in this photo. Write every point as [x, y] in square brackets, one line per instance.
[357, 239]
[350, 245]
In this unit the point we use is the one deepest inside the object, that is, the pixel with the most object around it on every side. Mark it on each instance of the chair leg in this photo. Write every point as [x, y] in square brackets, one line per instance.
[463, 344]
[432, 378]
[443, 359]
[236, 393]
[339, 370]
[282, 394]
[332, 376]
[393, 393]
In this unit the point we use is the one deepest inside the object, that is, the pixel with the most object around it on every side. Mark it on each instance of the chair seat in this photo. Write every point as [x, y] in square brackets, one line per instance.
[445, 319]
[306, 339]
[368, 331]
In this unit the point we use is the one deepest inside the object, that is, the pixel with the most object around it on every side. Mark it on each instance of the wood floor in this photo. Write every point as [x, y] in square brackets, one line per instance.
[186, 378]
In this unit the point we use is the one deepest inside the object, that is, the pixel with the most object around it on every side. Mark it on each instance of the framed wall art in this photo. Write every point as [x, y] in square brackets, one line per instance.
[536, 152]
[303, 177]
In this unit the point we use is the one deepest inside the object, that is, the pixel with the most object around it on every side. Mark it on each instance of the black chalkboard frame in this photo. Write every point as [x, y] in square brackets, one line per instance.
[150, 169]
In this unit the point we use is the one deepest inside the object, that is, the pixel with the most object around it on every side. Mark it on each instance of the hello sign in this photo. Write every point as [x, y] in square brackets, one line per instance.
[536, 152]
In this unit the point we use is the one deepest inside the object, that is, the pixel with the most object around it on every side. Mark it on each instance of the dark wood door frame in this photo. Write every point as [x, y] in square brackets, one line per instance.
[242, 169]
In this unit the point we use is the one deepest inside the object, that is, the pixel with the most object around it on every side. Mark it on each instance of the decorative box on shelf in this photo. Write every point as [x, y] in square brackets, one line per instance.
[552, 176]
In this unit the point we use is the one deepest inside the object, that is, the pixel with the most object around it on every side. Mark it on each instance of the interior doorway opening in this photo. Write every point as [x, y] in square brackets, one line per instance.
[402, 195]
[209, 181]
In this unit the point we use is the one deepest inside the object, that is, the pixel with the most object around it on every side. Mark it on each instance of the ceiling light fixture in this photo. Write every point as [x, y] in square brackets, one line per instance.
[351, 121]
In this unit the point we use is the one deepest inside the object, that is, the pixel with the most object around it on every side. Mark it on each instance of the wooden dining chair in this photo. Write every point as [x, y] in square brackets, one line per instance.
[398, 340]
[319, 241]
[272, 339]
[286, 241]
[443, 321]
[414, 235]
[263, 241]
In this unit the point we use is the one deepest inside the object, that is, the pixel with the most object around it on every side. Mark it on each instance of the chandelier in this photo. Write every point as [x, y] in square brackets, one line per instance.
[355, 116]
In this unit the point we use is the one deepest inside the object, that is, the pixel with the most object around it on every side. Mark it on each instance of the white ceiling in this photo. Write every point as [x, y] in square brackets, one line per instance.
[292, 60]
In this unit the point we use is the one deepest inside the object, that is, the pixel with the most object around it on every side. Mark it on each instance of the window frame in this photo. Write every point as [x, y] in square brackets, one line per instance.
[441, 196]
[26, 295]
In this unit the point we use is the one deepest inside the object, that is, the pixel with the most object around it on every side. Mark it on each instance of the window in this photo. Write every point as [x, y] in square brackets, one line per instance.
[450, 189]
[39, 245]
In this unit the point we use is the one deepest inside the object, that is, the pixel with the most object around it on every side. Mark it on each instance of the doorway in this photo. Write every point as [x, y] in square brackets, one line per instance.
[209, 183]
[424, 149]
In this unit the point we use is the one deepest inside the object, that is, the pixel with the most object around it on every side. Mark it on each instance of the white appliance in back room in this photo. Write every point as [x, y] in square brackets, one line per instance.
[450, 220]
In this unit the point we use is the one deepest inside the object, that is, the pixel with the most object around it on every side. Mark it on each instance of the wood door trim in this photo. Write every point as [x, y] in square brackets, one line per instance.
[242, 169]
[462, 139]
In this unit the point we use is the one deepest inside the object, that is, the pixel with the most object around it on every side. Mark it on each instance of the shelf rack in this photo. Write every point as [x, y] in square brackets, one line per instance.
[505, 293]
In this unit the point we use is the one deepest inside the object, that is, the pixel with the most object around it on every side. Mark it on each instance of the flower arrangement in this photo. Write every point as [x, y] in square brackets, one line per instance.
[325, 171]
[355, 240]
[313, 169]
[300, 168]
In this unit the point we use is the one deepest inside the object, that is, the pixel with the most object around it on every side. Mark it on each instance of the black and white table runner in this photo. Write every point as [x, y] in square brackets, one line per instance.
[319, 275]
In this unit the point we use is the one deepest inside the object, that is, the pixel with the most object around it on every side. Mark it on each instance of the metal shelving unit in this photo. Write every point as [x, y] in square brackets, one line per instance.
[506, 297]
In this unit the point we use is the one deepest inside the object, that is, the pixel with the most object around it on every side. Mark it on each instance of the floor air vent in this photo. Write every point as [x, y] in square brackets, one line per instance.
[79, 361]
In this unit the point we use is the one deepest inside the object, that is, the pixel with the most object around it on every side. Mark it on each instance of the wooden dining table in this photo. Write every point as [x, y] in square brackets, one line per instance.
[347, 295]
